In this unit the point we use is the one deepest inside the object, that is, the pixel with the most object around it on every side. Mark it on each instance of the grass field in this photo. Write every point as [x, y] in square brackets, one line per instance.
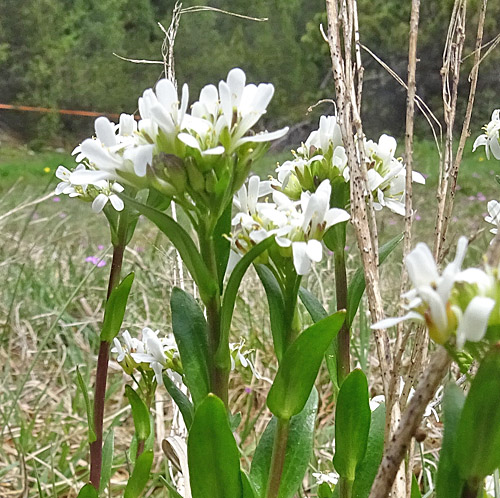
[51, 304]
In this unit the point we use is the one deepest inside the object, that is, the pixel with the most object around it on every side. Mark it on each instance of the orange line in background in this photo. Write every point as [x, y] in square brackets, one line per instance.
[60, 111]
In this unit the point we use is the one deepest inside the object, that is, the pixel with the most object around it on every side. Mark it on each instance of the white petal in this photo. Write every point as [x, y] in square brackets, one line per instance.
[391, 321]
[263, 137]
[300, 260]
[437, 307]
[116, 202]
[314, 250]
[474, 322]
[189, 140]
[336, 215]
[421, 266]
[90, 177]
[141, 157]
[105, 131]
[99, 203]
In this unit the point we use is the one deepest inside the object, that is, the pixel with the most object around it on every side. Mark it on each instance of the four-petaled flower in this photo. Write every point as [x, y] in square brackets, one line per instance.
[490, 138]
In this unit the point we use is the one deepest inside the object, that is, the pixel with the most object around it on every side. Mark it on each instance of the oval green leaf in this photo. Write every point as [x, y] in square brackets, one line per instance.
[140, 414]
[214, 459]
[107, 460]
[352, 424]
[140, 475]
[88, 491]
[300, 366]
[181, 400]
[276, 303]
[190, 331]
[115, 309]
[367, 469]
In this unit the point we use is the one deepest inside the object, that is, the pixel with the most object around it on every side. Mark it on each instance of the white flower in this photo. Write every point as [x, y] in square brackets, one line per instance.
[162, 106]
[298, 226]
[237, 354]
[430, 299]
[493, 215]
[151, 350]
[324, 477]
[108, 193]
[490, 139]
[66, 186]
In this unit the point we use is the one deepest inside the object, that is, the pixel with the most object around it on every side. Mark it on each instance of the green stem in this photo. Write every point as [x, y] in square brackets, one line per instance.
[343, 338]
[103, 360]
[219, 370]
[345, 487]
[278, 458]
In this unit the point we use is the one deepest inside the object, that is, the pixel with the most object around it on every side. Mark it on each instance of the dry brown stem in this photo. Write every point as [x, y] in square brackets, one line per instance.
[450, 73]
[398, 445]
[341, 17]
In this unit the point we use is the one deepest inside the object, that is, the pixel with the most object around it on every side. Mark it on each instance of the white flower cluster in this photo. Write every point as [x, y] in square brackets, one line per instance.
[149, 353]
[219, 125]
[323, 156]
[456, 301]
[490, 138]
[298, 226]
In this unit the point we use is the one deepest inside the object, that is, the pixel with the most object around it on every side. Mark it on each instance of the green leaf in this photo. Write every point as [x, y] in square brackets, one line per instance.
[183, 243]
[88, 491]
[352, 424]
[221, 243]
[88, 406]
[312, 304]
[325, 491]
[140, 414]
[300, 365]
[190, 331]
[107, 460]
[172, 492]
[298, 451]
[214, 459]
[115, 309]
[233, 285]
[248, 490]
[276, 303]
[181, 400]
[357, 284]
[448, 482]
[367, 469]
[317, 313]
[478, 432]
[140, 475]
[415, 490]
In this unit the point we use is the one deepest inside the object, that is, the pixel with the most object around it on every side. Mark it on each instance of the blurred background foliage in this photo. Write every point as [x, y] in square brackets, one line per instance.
[59, 53]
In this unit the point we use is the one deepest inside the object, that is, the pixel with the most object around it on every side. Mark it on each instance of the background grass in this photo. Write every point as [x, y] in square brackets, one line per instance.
[43, 251]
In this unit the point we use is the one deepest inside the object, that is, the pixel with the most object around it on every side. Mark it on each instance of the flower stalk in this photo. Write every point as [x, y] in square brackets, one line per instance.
[103, 356]
[343, 338]
[278, 458]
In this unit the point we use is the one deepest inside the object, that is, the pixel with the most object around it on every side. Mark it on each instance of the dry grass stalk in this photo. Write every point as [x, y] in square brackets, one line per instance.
[450, 73]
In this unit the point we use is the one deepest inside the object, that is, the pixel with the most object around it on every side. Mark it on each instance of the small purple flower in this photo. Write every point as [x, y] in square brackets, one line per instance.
[425, 175]
[248, 390]
[346, 248]
[392, 221]
[471, 198]
[56, 199]
[62, 215]
[454, 219]
[95, 261]
[100, 247]
[481, 197]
